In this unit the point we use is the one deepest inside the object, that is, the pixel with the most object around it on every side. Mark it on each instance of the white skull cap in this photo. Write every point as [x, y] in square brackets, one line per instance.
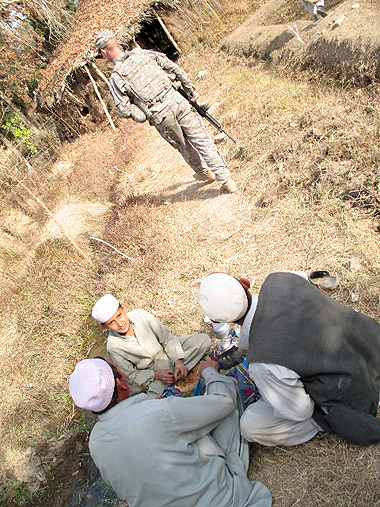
[222, 298]
[104, 308]
[92, 384]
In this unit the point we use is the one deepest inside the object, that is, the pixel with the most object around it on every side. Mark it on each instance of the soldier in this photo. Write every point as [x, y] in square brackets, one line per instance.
[144, 86]
[315, 7]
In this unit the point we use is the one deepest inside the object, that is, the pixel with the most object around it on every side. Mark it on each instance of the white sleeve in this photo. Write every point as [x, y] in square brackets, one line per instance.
[283, 390]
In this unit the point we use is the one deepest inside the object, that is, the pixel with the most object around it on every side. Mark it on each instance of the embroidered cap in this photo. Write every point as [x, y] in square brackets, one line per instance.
[222, 298]
[104, 308]
[92, 384]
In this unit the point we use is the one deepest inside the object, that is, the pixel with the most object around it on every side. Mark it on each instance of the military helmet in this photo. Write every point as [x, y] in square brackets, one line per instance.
[102, 39]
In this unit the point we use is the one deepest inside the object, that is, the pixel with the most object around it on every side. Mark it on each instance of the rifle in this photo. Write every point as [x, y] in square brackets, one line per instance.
[202, 111]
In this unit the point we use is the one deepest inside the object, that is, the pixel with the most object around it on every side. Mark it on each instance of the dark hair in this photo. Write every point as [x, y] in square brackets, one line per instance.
[113, 401]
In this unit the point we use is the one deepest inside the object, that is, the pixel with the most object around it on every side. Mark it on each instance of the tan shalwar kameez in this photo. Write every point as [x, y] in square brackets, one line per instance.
[153, 348]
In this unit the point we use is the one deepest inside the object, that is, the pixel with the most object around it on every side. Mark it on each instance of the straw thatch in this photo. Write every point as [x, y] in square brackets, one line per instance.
[123, 17]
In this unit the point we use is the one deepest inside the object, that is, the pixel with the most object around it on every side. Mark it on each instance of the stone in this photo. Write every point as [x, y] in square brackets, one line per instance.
[354, 264]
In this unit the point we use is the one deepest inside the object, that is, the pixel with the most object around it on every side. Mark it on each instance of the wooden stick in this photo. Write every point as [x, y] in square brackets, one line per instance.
[99, 72]
[100, 97]
[296, 32]
[118, 251]
[15, 151]
[128, 178]
[169, 35]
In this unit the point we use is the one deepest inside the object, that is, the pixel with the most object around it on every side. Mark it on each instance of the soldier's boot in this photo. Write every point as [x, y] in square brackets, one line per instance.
[206, 175]
[229, 186]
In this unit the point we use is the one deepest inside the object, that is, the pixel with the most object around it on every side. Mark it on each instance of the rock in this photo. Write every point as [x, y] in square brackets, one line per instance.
[355, 6]
[338, 21]
[240, 153]
[354, 297]
[354, 264]
[201, 74]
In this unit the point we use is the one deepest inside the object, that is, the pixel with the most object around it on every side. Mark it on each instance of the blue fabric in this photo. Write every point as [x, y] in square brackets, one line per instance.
[247, 387]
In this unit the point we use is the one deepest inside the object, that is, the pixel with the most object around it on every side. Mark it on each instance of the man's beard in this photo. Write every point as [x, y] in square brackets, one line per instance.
[134, 387]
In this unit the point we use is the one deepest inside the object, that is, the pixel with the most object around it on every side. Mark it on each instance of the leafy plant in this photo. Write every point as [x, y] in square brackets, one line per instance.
[14, 126]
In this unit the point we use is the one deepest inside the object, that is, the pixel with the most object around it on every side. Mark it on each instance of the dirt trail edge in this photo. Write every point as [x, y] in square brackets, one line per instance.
[345, 44]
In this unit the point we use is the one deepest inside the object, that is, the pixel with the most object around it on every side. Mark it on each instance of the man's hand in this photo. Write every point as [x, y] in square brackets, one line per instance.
[180, 369]
[209, 363]
[166, 376]
[193, 97]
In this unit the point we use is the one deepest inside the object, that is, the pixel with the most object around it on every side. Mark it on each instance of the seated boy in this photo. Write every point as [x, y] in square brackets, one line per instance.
[144, 348]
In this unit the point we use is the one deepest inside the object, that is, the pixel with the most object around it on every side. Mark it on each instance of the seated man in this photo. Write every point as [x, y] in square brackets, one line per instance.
[145, 349]
[315, 361]
[173, 451]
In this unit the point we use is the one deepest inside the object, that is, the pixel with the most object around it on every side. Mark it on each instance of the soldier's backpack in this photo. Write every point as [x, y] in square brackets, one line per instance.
[145, 80]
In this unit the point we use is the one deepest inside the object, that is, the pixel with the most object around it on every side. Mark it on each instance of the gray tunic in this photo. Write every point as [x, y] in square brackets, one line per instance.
[180, 452]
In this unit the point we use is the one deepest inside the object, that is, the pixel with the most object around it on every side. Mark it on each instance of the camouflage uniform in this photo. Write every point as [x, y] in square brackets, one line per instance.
[143, 86]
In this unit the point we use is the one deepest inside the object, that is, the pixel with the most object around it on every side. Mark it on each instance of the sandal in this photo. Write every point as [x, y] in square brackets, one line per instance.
[323, 279]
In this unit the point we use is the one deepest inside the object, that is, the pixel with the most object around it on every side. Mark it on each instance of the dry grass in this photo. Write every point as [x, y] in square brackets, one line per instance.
[324, 471]
[295, 167]
[307, 166]
[46, 293]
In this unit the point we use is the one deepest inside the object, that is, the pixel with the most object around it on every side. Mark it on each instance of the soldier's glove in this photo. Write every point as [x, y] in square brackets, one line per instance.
[204, 106]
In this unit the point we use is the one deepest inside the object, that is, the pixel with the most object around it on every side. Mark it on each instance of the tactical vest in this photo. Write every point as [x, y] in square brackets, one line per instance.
[335, 351]
[145, 80]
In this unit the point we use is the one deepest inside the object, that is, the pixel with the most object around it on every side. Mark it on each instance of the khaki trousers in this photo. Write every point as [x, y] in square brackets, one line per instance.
[259, 424]
[183, 129]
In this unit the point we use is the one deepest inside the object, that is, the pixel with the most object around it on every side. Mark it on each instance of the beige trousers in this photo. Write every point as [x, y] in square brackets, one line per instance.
[259, 424]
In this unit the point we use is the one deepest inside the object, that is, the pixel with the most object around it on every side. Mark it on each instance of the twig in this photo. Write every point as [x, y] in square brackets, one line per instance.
[128, 178]
[99, 72]
[100, 97]
[296, 32]
[118, 251]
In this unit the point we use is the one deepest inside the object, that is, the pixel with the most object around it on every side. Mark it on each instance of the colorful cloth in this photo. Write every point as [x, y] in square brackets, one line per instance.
[247, 387]
[198, 390]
